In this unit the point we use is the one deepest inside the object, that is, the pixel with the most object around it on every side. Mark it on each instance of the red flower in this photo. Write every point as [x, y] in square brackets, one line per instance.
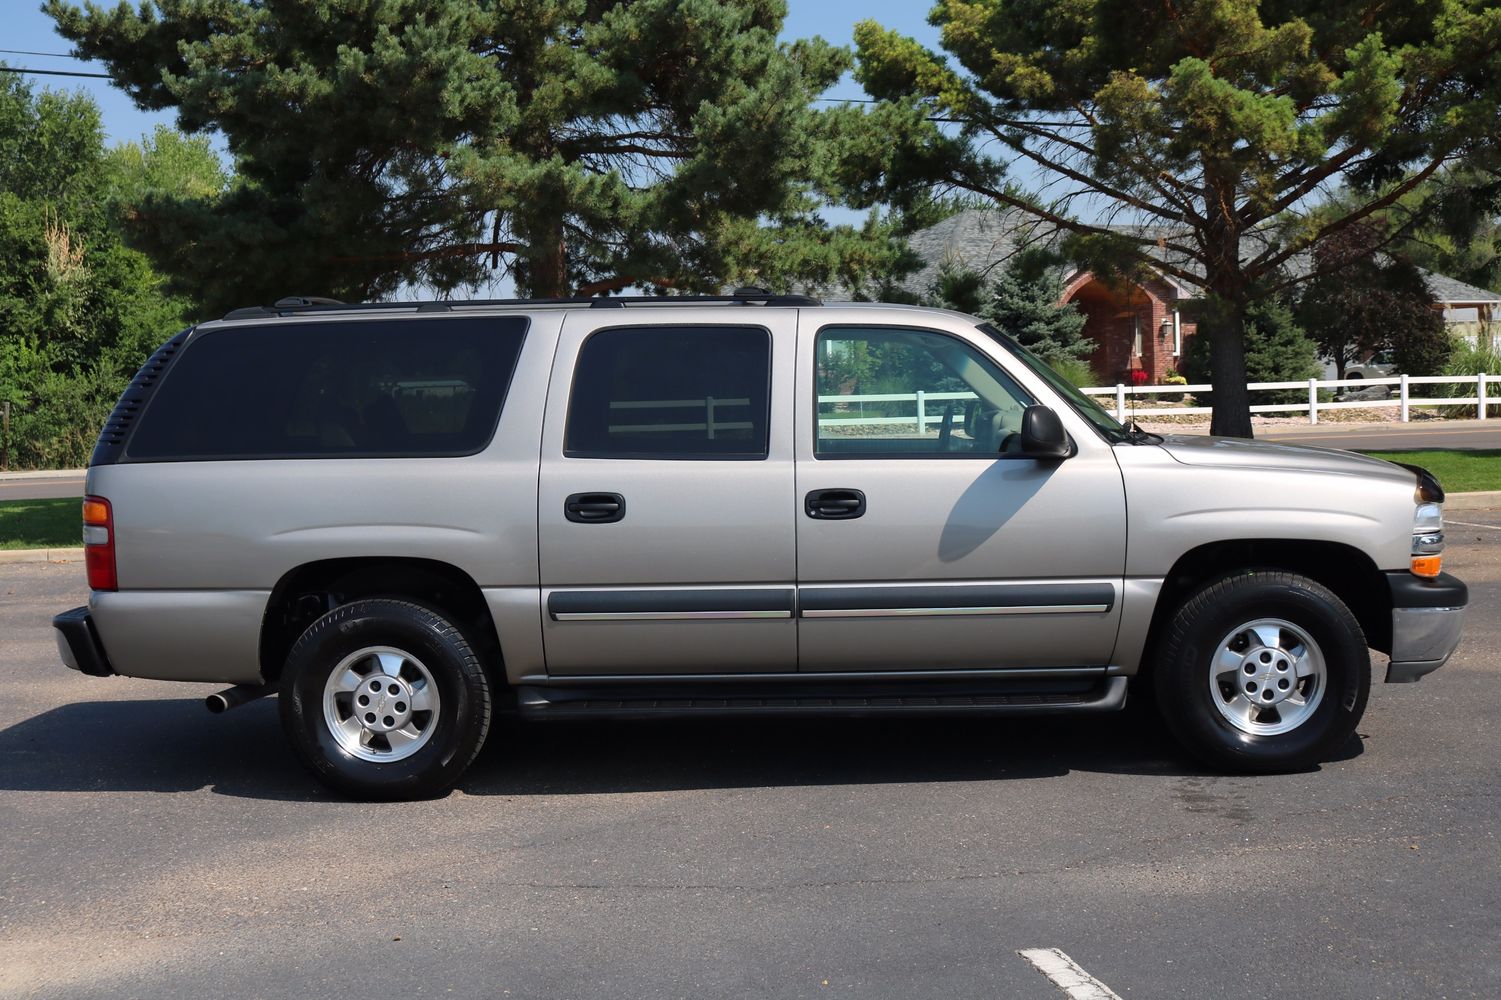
[1139, 376]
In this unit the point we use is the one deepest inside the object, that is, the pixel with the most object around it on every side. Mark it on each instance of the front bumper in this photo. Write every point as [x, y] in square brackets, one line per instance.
[78, 644]
[1427, 615]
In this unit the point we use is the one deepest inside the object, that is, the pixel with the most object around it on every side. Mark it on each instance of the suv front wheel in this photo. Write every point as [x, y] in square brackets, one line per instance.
[383, 699]
[1263, 670]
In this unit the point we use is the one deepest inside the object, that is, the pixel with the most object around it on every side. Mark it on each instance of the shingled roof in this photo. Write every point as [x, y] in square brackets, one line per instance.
[1449, 291]
[985, 239]
[976, 240]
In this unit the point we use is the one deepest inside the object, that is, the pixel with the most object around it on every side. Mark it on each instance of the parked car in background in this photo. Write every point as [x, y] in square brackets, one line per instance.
[414, 521]
[1379, 365]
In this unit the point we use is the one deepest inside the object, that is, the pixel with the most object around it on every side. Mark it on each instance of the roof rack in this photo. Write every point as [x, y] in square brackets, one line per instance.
[300, 304]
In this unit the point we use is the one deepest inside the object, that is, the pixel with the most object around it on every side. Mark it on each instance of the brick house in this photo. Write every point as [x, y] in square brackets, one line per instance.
[1139, 327]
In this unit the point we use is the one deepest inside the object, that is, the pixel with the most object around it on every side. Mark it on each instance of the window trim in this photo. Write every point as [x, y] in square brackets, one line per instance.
[633, 456]
[909, 456]
[126, 458]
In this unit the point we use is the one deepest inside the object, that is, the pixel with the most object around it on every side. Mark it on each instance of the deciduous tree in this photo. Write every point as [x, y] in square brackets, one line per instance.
[1362, 301]
[79, 310]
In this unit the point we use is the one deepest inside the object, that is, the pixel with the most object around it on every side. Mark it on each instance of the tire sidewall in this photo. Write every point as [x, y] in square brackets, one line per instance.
[462, 695]
[1188, 703]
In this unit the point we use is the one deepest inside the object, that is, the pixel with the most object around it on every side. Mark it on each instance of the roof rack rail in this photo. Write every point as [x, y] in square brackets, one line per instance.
[299, 304]
[301, 301]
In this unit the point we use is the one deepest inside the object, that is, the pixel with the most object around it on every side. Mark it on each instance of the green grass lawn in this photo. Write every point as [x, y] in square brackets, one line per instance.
[40, 524]
[1457, 471]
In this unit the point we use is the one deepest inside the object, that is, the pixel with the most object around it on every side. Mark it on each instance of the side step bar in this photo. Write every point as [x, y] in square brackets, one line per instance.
[705, 700]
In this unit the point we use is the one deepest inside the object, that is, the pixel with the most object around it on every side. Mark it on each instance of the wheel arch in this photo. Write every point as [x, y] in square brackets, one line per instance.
[307, 592]
[1344, 569]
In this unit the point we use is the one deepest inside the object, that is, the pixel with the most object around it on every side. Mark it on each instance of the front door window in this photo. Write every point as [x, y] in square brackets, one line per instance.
[911, 394]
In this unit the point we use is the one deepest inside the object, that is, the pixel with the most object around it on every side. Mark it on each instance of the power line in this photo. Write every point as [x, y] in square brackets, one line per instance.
[953, 121]
[53, 72]
[28, 52]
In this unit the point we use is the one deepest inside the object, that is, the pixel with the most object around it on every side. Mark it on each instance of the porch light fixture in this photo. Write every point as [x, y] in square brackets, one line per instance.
[1165, 328]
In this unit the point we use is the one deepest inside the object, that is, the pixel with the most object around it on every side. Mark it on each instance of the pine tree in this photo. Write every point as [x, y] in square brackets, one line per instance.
[1277, 350]
[586, 147]
[1203, 128]
[1029, 311]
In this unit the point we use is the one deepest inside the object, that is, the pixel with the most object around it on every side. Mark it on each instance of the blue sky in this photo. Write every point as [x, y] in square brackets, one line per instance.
[29, 29]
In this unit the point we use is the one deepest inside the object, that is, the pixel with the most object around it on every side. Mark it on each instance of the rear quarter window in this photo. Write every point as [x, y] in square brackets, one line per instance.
[361, 389]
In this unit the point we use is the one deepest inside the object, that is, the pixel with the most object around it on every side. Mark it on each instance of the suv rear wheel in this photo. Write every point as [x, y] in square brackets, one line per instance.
[383, 699]
[1263, 670]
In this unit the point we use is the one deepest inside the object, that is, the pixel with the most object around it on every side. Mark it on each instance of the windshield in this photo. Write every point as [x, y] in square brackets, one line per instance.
[1085, 406]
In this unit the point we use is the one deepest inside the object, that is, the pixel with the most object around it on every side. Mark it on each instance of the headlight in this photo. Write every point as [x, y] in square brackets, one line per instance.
[1427, 539]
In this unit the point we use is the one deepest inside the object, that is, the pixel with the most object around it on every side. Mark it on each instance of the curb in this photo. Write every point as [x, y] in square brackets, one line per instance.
[1482, 500]
[40, 555]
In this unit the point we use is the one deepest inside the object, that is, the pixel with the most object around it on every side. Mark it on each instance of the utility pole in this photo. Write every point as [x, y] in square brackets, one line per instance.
[4, 435]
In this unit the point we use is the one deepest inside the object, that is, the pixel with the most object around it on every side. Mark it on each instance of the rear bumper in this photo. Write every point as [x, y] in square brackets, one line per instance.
[1427, 617]
[78, 644]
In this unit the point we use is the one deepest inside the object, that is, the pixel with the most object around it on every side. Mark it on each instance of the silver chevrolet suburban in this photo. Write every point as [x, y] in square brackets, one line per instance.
[407, 520]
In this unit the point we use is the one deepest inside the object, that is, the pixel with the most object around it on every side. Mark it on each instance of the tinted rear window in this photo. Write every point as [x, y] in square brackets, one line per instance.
[388, 388]
[671, 392]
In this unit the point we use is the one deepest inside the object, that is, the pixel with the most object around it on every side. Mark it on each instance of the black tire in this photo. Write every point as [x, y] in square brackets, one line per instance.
[1182, 672]
[459, 723]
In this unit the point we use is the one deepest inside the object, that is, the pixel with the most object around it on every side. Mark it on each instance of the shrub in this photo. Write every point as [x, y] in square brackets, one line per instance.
[1468, 359]
[56, 428]
[1076, 371]
[1172, 377]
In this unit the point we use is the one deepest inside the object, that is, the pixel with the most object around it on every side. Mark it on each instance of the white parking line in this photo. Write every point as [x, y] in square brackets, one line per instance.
[1067, 976]
[1472, 524]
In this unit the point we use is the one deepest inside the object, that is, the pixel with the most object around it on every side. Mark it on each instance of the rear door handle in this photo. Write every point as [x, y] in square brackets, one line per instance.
[834, 505]
[594, 508]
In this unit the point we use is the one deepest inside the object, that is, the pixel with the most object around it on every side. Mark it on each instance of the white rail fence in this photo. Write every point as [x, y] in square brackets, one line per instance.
[922, 418]
[1404, 400]
[1126, 406]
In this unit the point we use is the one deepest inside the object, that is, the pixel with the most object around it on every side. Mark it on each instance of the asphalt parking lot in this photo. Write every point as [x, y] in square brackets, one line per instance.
[150, 849]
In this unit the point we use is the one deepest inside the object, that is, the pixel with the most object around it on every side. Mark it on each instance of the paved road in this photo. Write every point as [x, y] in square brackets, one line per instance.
[1466, 435]
[150, 849]
[41, 489]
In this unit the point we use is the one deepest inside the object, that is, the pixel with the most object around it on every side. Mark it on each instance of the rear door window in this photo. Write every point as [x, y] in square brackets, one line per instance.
[671, 392]
[360, 389]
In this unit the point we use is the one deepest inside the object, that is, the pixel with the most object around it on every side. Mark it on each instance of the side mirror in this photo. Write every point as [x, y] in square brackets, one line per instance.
[1042, 434]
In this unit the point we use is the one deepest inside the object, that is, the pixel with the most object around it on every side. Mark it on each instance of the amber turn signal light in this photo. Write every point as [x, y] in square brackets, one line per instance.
[1427, 565]
[95, 511]
[99, 543]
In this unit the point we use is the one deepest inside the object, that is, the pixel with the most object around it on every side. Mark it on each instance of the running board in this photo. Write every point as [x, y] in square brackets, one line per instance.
[998, 696]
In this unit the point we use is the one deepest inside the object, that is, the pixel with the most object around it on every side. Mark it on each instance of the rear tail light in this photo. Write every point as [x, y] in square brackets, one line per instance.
[99, 543]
